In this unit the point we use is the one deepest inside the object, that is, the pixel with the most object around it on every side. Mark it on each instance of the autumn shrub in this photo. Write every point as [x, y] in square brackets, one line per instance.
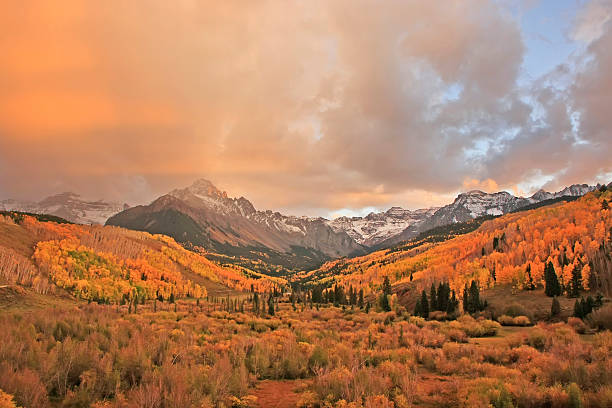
[506, 320]
[6, 400]
[538, 339]
[476, 328]
[601, 319]
[577, 325]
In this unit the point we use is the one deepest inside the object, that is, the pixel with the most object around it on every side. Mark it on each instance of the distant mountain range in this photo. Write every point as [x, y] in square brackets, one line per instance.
[201, 215]
[474, 204]
[69, 206]
[205, 216]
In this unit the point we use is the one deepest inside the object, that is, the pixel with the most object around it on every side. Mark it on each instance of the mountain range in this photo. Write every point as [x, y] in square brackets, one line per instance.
[69, 206]
[204, 217]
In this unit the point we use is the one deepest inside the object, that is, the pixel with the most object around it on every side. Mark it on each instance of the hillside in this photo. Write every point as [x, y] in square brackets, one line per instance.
[510, 250]
[109, 264]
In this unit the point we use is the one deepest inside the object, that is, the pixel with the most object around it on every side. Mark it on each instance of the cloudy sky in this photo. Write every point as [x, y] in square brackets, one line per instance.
[310, 107]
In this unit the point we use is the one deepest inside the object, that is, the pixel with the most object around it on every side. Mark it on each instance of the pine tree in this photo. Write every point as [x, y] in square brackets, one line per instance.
[384, 302]
[255, 303]
[172, 297]
[578, 309]
[555, 308]
[552, 287]
[530, 283]
[271, 306]
[353, 296]
[576, 283]
[418, 309]
[466, 299]
[424, 305]
[453, 303]
[433, 298]
[386, 286]
[361, 298]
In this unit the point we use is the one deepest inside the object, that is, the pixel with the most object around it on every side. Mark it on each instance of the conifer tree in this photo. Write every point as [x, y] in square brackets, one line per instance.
[576, 283]
[530, 283]
[386, 286]
[384, 303]
[424, 305]
[555, 308]
[433, 298]
[271, 306]
[552, 287]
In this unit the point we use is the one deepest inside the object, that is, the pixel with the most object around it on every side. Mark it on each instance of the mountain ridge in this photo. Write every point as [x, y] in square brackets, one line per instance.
[69, 206]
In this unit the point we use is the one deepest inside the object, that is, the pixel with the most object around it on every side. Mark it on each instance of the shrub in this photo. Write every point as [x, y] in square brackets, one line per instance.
[577, 324]
[318, 359]
[6, 400]
[506, 320]
[538, 339]
[601, 319]
[516, 309]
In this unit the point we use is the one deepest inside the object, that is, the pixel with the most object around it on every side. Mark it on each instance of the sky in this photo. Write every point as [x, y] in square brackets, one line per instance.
[309, 107]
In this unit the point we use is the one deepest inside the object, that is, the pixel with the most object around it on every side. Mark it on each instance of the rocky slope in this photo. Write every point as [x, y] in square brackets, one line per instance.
[378, 227]
[205, 216]
[69, 206]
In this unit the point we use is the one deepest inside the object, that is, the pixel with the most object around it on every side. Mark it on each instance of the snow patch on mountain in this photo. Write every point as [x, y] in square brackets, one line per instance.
[377, 227]
[69, 206]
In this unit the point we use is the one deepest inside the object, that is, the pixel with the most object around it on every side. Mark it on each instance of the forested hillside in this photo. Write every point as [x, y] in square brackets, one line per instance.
[109, 264]
[574, 238]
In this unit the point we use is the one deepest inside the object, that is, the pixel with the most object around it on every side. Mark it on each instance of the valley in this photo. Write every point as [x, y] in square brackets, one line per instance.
[141, 321]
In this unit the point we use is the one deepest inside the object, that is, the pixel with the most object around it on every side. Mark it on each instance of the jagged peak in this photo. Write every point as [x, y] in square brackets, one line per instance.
[207, 188]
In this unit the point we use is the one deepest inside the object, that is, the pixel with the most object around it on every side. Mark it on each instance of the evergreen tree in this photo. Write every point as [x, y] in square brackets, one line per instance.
[418, 309]
[433, 298]
[453, 303]
[255, 302]
[271, 306]
[172, 297]
[353, 296]
[386, 286]
[555, 308]
[605, 205]
[471, 299]
[384, 303]
[361, 298]
[578, 309]
[367, 307]
[530, 283]
[443, 297]
[424, 305]
[576, 283]
[552, 287]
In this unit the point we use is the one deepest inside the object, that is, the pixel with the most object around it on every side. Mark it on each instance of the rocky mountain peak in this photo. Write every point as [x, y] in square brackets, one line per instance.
[206, 188]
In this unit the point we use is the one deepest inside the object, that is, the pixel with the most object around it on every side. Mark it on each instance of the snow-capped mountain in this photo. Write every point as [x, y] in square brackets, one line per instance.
[205, 216]
[377, 227]
[475, 203]
[203, 194]
[69, 206]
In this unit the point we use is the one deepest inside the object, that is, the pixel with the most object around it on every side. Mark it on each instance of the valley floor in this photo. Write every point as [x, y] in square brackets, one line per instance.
[189, 355]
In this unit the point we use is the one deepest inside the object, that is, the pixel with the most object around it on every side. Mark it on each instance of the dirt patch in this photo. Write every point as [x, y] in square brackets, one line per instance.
[278, 394]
